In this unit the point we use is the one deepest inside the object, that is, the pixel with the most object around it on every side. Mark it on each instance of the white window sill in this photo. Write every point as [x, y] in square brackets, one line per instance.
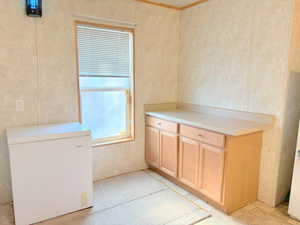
[111, 142]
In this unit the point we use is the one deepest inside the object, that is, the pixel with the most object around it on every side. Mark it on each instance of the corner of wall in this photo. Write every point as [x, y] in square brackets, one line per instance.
[290, 114]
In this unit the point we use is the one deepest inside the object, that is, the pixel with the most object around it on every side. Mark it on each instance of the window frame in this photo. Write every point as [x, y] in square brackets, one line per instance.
[130, 93]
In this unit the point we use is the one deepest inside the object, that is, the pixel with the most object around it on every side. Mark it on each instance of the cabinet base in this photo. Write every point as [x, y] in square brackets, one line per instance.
[194, 192]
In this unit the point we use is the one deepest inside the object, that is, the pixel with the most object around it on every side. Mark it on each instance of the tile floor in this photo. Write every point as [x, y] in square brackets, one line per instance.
[254, 214]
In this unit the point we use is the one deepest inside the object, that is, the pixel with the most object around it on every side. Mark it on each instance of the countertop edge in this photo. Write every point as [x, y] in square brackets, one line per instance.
[210, 128]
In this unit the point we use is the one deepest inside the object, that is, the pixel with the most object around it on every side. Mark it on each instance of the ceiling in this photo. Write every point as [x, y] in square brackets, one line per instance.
[175, 4]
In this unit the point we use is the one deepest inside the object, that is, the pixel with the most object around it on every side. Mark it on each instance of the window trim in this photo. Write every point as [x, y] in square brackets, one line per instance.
[131, 93]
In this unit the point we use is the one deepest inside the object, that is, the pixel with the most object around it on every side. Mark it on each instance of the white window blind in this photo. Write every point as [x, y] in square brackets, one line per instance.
[104, 52]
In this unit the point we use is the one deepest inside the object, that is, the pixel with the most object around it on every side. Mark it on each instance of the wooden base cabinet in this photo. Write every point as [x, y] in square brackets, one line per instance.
[223, 170]
[189, 159]
[168, 153]
[162, 145]
[211, 172]
[152, 146]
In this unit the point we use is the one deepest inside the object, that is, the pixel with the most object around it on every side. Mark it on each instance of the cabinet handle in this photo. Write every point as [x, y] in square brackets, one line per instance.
[200, 135]
[159, 123]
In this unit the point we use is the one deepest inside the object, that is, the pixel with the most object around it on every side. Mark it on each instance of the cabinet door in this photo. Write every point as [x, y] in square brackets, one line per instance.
[168, 153]
[189, 157]
[212, 171]
[152, 146]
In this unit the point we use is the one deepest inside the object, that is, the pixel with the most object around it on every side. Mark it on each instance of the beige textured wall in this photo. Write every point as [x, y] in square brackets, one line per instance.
[234, 54]
[38, 65]
[295, 41]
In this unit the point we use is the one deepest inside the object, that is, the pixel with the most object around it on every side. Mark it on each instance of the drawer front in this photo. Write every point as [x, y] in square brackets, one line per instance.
[203, 135]
[162, 124]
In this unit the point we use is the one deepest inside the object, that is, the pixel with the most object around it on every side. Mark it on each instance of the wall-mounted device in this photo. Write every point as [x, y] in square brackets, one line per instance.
[34, 8]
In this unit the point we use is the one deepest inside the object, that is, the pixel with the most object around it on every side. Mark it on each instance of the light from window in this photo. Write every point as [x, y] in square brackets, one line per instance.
[105, 59]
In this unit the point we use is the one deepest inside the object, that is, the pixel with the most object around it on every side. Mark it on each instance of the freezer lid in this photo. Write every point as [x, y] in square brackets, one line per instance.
[28, 134]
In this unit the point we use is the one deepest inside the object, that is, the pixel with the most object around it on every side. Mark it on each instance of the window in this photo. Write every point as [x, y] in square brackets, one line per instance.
[105, 61]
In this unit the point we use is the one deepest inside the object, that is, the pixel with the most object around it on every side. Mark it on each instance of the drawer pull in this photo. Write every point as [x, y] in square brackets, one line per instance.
[162, 124]
[200, 135]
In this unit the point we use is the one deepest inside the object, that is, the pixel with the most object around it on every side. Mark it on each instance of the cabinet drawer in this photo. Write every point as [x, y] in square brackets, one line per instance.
[162, 124]
[203, 135]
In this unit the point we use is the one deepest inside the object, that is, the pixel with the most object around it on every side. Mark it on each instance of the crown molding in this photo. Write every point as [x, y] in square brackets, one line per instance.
[171, 6]
[193, 4]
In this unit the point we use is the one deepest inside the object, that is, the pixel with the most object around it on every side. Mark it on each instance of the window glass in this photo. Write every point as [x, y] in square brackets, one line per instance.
[103, 82]
[104, 113]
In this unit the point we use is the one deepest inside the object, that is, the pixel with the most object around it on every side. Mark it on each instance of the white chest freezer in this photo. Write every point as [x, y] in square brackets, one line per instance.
[294, 205]
[51, 170]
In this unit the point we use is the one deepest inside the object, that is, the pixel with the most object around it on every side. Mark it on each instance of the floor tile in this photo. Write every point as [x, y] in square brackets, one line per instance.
[190, 219]
[262, 214]
[6, 214]
[159, 208]
[164, 207]
[124, 188]
[155, 175]
[175, 187]
[143, 182]
[217, 221]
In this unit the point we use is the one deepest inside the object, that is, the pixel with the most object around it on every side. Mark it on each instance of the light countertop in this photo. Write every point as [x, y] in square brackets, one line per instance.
[217, 123]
